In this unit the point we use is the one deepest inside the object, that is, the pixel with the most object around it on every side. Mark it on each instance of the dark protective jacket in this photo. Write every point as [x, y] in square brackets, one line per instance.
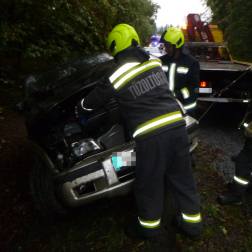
[140, 86]
[183, 76]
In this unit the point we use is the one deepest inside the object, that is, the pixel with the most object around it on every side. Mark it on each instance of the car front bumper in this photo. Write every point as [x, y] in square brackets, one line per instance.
[96, 177]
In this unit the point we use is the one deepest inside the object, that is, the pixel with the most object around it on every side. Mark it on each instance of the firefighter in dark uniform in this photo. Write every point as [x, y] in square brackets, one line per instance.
[182, 69]
[140, 86]
[243, 171]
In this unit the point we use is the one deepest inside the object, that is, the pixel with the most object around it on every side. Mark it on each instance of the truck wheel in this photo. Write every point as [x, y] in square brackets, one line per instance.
[43, 193]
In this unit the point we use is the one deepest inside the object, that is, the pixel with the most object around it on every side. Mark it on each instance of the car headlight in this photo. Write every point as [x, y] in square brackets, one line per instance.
[82, 147]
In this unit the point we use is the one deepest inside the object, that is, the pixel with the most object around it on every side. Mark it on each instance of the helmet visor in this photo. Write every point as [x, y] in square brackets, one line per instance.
[112, 47]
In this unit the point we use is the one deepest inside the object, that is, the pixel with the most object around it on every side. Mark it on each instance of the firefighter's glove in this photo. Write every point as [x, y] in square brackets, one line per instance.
[80, 110]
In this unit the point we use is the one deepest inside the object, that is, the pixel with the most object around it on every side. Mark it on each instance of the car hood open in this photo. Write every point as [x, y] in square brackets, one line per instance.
[46, 88]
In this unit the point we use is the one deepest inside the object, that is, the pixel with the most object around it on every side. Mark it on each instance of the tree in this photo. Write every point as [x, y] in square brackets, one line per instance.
[234, 18]
[160, 30]
[37, 33]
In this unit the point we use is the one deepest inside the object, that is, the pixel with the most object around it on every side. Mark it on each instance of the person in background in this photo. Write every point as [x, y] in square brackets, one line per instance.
[182, 69]
[243, 171]
[140, 87]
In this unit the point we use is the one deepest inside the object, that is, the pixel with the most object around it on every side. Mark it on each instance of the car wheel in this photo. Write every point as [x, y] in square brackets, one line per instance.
[43, 193]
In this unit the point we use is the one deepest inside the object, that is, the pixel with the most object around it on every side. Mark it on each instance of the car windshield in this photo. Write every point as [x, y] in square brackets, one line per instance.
[56, 74]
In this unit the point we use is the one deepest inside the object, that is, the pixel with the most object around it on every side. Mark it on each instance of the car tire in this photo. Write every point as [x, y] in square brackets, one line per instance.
[43, 193]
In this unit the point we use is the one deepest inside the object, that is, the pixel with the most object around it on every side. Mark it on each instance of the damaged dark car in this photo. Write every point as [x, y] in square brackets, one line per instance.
[73, 156]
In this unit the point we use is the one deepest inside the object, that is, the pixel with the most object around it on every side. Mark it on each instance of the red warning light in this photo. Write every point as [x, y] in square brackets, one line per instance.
[203, 84]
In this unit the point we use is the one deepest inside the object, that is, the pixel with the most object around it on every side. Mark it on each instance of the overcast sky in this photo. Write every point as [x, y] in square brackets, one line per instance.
[174, 11]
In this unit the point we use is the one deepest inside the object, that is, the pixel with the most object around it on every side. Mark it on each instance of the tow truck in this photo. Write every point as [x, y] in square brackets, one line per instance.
[218, 70]
[222, 79]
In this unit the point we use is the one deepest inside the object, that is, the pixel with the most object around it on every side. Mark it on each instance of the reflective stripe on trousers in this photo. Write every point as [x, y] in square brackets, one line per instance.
[240, 180]
[158, 122]
[192, 218]
[149, 224]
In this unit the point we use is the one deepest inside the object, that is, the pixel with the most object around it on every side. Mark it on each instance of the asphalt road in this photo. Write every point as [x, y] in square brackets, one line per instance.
[219, 133]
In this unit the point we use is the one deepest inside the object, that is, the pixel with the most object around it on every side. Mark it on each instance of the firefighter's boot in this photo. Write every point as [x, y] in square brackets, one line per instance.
[229, 198]
[183, 227]
[235, 194]
[249, 188]
[132, 231]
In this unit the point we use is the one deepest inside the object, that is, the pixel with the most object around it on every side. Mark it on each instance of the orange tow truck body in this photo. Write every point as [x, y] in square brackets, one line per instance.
[217, 67]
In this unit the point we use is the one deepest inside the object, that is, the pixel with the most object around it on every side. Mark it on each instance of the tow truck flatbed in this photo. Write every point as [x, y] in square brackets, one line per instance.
[208, 64]
[222, 66]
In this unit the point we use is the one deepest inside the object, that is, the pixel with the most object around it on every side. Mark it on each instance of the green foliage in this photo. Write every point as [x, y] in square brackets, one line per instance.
[38, 29]
[213, 210]
[37, 33]
[208, 232]
[223, 229]
[234, 18]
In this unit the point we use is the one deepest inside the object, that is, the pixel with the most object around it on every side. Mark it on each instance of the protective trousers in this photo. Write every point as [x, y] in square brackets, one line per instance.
[165, 158]
[243, 169]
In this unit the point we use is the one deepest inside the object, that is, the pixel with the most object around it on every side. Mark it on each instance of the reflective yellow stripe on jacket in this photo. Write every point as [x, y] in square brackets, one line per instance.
[130, 70]
[185, 93]
[190, 106]
[165, 68]
[182, 70]
[158, 122]
[172, 76]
